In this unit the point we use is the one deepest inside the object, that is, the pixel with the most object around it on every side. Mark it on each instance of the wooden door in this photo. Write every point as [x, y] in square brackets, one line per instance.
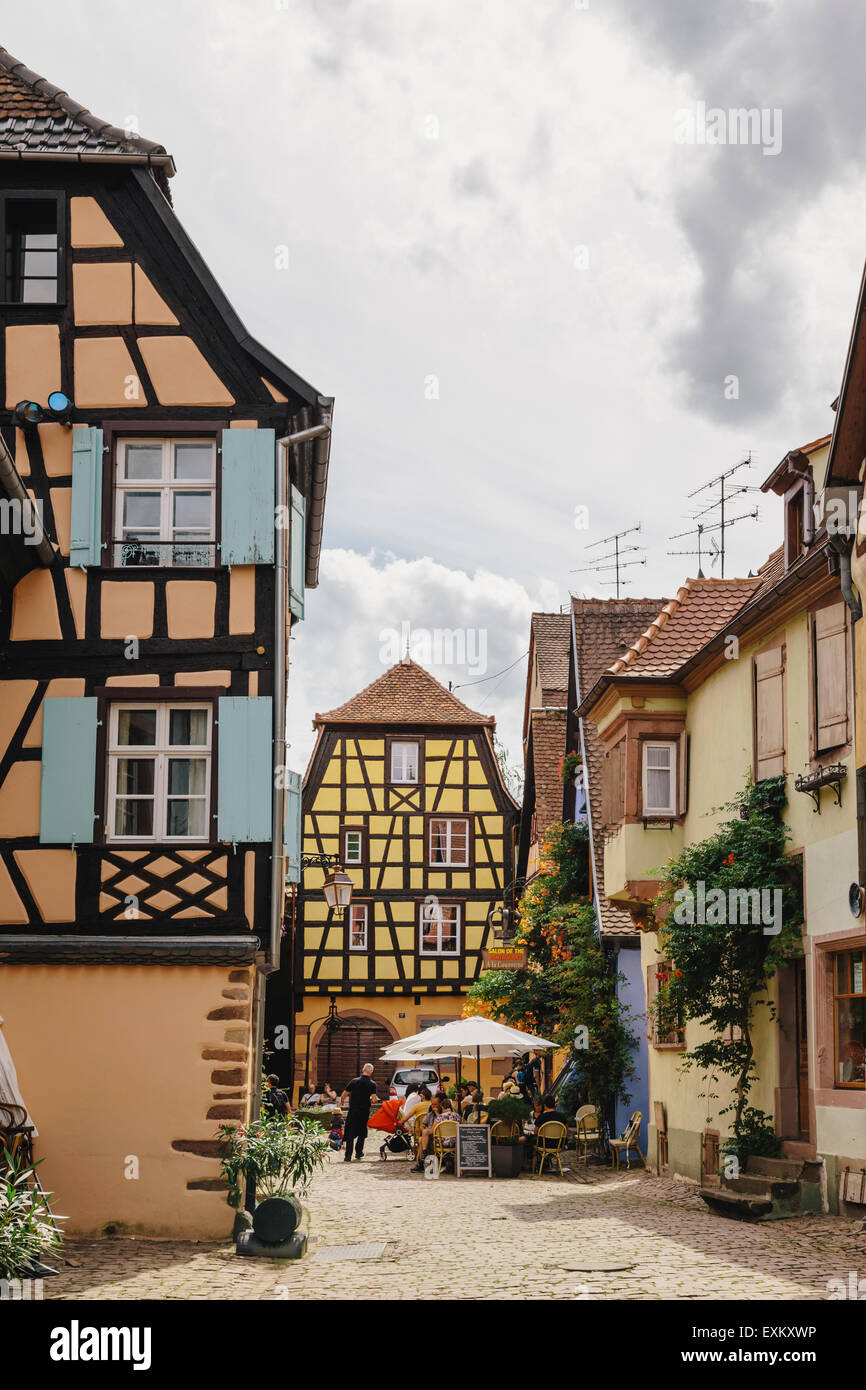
[802, 1052]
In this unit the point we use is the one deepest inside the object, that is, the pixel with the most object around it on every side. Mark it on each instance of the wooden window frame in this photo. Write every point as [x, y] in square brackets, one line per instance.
[165, 488]
[849, 994]
[115, 432]
[344, 859]
[795, 516]
[46, 195]
[469, 822]
[781, 646]
[832, 753]
[390, 740]
[456, 954]
[140, 697]
[669, 812]
[651, 994]
[160, 752]
[365, 948]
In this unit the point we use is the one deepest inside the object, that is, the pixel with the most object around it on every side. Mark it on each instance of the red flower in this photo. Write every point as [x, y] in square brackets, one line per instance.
[730, 859]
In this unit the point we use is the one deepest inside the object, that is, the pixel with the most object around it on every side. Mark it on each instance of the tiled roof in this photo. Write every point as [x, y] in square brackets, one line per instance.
[602, 626]
[39, 120]
[406, 694]
[549, 730]
[551, 640]
[701, 609]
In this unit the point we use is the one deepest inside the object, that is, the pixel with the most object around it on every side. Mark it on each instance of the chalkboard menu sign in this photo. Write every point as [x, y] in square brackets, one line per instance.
[473, 1149]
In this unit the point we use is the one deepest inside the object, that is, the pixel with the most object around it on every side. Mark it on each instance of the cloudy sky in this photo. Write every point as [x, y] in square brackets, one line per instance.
[482, 227]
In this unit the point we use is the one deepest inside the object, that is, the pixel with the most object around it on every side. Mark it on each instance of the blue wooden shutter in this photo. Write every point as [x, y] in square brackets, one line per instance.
[68, 771]
[293, 828]
[297, 553]
[248, 498]
[245, 768]
[85, 546]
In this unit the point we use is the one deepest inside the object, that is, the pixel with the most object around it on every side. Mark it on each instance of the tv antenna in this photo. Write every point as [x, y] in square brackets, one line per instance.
[722, 520]
[613, 559]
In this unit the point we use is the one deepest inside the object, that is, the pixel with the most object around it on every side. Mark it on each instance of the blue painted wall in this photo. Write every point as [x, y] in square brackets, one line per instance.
[632, 992]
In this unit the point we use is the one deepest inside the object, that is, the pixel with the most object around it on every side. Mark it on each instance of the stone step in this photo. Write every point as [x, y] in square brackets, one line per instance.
[768, 1187]
[742, 1206]
[775, 1167]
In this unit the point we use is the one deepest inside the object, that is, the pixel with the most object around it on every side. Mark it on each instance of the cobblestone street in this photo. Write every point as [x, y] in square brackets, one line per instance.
[475, 1238]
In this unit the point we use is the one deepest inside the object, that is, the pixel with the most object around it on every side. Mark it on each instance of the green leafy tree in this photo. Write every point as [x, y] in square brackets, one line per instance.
[568, 990]
[720, 967]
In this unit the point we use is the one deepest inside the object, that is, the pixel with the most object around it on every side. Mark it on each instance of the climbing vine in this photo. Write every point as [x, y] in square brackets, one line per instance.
[568, 990]
[729, 915]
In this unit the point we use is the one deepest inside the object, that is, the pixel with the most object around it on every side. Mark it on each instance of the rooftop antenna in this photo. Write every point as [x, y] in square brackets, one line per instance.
[721, 523]
[613, 559]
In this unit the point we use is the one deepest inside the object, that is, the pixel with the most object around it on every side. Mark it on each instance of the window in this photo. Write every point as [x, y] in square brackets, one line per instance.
[165, 502]
[404, 762]
[830, 676]
[849, 1017]
[31, 245]
[769, 713]
[665, 1021]
[659, 779]
[794, 527]
[159, 772]
[533, 829]
[449, 843]
[358, 927]
[353, 846]
[613, 785]
[440, 928]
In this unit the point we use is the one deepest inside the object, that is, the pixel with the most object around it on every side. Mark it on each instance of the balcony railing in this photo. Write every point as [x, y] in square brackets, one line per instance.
[173, 554]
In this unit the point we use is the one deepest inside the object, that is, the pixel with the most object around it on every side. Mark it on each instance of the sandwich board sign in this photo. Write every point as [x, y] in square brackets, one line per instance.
[473, 1150]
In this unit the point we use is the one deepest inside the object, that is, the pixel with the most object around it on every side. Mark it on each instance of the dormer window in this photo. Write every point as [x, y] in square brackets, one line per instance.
[32, 266]
[794, 526]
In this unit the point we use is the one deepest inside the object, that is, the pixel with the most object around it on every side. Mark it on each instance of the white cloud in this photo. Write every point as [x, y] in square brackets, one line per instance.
[345, 641]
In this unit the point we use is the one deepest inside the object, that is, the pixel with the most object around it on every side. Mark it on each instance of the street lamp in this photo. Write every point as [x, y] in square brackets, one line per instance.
[337, 889]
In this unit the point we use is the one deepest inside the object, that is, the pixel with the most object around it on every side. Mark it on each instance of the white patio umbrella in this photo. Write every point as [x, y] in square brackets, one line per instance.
[9, 1079]
[482, 1037]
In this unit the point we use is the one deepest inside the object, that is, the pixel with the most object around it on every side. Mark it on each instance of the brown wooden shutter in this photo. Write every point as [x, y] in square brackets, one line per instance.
[612, 792]
[770, 713]
[683, 774]
[831, 677]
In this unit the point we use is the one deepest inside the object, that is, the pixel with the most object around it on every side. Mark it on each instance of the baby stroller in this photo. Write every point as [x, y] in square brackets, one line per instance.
[397, 1140]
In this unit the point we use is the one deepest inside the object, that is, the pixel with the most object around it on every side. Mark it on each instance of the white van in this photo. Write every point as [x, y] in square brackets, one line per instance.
[423, 1074]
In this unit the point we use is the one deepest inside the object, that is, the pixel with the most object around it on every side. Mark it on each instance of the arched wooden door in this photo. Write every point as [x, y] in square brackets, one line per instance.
[350, 1048]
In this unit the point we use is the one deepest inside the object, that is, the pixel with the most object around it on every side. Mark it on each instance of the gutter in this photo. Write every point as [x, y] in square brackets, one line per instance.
[318, 487]
[10, 480]
[593, 866]
[321, 433]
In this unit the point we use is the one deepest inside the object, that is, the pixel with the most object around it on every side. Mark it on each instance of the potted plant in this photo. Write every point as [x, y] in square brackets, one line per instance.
[280, 1154]
[507, 1155]
[571, 766]
[27, 1227]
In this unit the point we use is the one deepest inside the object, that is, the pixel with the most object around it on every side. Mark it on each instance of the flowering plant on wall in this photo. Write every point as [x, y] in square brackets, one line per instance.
[570, 765]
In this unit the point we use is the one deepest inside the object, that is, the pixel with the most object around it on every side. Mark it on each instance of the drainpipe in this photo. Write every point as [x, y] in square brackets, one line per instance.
[15, 490]
[595, 897]
[320, 433]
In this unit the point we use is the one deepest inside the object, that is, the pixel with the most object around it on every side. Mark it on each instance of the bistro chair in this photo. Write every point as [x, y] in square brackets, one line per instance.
[504, 1129]
[445, 1129]
[548, 1143]
[588, 1131]
[16, 1136]
[627, 1140]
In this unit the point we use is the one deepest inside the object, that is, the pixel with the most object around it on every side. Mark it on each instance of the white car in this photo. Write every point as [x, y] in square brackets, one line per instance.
[422, 1075]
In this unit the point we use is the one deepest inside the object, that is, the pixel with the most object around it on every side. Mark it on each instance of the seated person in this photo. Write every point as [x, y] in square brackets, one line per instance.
[411, 1101]
[311, 1098]
[329, 1095]
[549, 1112]
[440, 1108]
[473, 1099]
[537, 1110]
[510, 1087]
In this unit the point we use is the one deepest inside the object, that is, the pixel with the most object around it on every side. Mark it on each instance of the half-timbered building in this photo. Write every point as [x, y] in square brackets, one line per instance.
[162, 480]
[404, 787]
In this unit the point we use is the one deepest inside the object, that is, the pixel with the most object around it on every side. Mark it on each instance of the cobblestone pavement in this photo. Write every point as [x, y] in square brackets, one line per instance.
[474, 1238]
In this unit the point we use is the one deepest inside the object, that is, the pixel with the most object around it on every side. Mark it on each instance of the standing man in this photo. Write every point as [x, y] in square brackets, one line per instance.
[361, 1093]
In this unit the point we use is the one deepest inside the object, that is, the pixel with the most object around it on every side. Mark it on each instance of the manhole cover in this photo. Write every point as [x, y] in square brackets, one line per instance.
[594, 1266]
[373, 1251]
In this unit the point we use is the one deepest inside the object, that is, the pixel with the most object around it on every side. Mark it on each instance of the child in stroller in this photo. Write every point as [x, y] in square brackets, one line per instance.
[388, 1119]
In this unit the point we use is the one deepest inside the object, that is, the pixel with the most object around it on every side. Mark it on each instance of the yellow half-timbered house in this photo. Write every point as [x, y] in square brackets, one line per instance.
[405, 788]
